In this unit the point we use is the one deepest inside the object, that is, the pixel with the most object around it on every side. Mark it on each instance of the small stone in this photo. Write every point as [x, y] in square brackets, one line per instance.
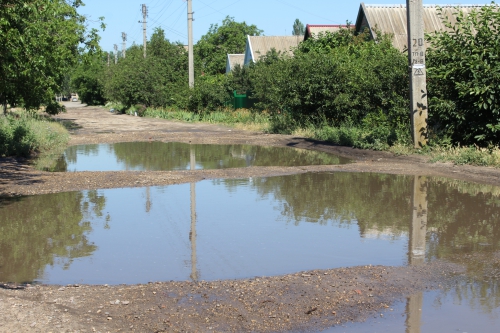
[33, 324]
[109, 318]
[125, 302]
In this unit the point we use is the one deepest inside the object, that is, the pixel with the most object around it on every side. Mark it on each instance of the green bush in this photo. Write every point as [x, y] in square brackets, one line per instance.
[210, 93]
[463, 75]
[22, 135]
[343, 85]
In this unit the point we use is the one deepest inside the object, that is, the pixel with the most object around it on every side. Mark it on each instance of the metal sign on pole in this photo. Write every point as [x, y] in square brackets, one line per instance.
[418, 85]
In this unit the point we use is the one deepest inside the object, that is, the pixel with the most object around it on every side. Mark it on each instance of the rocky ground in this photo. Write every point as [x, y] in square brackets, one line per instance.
[305, 301]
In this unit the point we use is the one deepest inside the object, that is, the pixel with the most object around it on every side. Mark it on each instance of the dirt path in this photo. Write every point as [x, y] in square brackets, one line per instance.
[295, 302]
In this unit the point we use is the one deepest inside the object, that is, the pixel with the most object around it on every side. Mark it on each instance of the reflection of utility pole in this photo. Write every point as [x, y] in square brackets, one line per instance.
[416, 250]
[418, 228]
[192, 233]
[414, 313]
[148, 200]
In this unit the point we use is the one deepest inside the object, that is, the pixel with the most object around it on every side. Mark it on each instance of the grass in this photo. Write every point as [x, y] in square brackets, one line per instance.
[241, 119]
[26, 135]
[471, 155]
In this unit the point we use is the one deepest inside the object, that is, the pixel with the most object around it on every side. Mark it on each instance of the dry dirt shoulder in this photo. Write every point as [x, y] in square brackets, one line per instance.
[295, 302]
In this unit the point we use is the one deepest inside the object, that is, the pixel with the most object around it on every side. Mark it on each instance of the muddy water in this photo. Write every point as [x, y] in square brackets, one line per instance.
[224, 229]
[241, 228]
[464, 309]
[156, 156]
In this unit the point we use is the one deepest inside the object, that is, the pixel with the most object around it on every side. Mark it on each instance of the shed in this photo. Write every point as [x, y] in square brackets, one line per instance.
[233, 60]
[316, 29]
[392, 19]
[258, 46]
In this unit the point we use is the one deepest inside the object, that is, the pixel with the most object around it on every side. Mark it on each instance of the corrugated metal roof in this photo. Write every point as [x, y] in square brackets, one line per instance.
[392, 19]
[235, 59]
[260, 45]
[315, 29]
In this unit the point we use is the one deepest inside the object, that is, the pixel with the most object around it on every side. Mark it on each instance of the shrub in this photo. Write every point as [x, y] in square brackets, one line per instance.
[464, 67]
[22, 135]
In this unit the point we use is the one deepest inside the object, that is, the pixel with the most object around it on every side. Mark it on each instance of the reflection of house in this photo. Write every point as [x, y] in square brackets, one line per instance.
[249, 158]
[314, 30]
[392, 19]
[259, 46]
[233, 60]
[376, 232]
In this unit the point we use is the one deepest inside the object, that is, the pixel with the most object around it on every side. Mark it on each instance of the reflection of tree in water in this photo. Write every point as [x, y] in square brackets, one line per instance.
[175, 156]
[321, 197]
[460, 214]
[483, 295]
[45, 230]
[59, 163]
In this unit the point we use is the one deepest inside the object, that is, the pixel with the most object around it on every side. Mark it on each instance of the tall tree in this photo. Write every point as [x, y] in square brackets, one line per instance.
[158, 80]
[39, 44]
[298, 28]
[212, 49]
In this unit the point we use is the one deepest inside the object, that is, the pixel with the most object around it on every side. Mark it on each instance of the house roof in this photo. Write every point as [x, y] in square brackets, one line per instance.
[315, 29]
[235, 59]
[258, 46]
[392, 19]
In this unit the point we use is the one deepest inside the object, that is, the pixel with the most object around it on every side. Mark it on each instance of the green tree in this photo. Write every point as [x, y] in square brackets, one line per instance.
[464, 75]
[298, 28]
[87, 78]
[212, 49]
[39, 41]
[158, 80]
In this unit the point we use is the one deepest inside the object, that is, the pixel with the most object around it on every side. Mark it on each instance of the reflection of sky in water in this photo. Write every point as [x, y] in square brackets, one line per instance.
[435, 312]
[239, 234]
[278, 225]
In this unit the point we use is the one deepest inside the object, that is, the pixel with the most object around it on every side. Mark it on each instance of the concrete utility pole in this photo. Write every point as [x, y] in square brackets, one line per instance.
[144, 35]
[124, 44]
[116, 54]
[108, 59]
[416, 58]
[190, 42]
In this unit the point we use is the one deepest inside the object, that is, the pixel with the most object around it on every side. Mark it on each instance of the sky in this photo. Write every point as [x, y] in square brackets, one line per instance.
[275, 17]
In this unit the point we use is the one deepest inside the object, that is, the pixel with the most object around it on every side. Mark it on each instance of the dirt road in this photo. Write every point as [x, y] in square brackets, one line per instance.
[295, 302]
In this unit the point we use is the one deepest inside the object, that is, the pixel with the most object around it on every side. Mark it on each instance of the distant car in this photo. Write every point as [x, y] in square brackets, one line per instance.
[74, 99]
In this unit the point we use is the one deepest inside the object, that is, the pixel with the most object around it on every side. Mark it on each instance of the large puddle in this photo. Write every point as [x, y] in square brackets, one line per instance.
[226, 229]
[160, 156]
